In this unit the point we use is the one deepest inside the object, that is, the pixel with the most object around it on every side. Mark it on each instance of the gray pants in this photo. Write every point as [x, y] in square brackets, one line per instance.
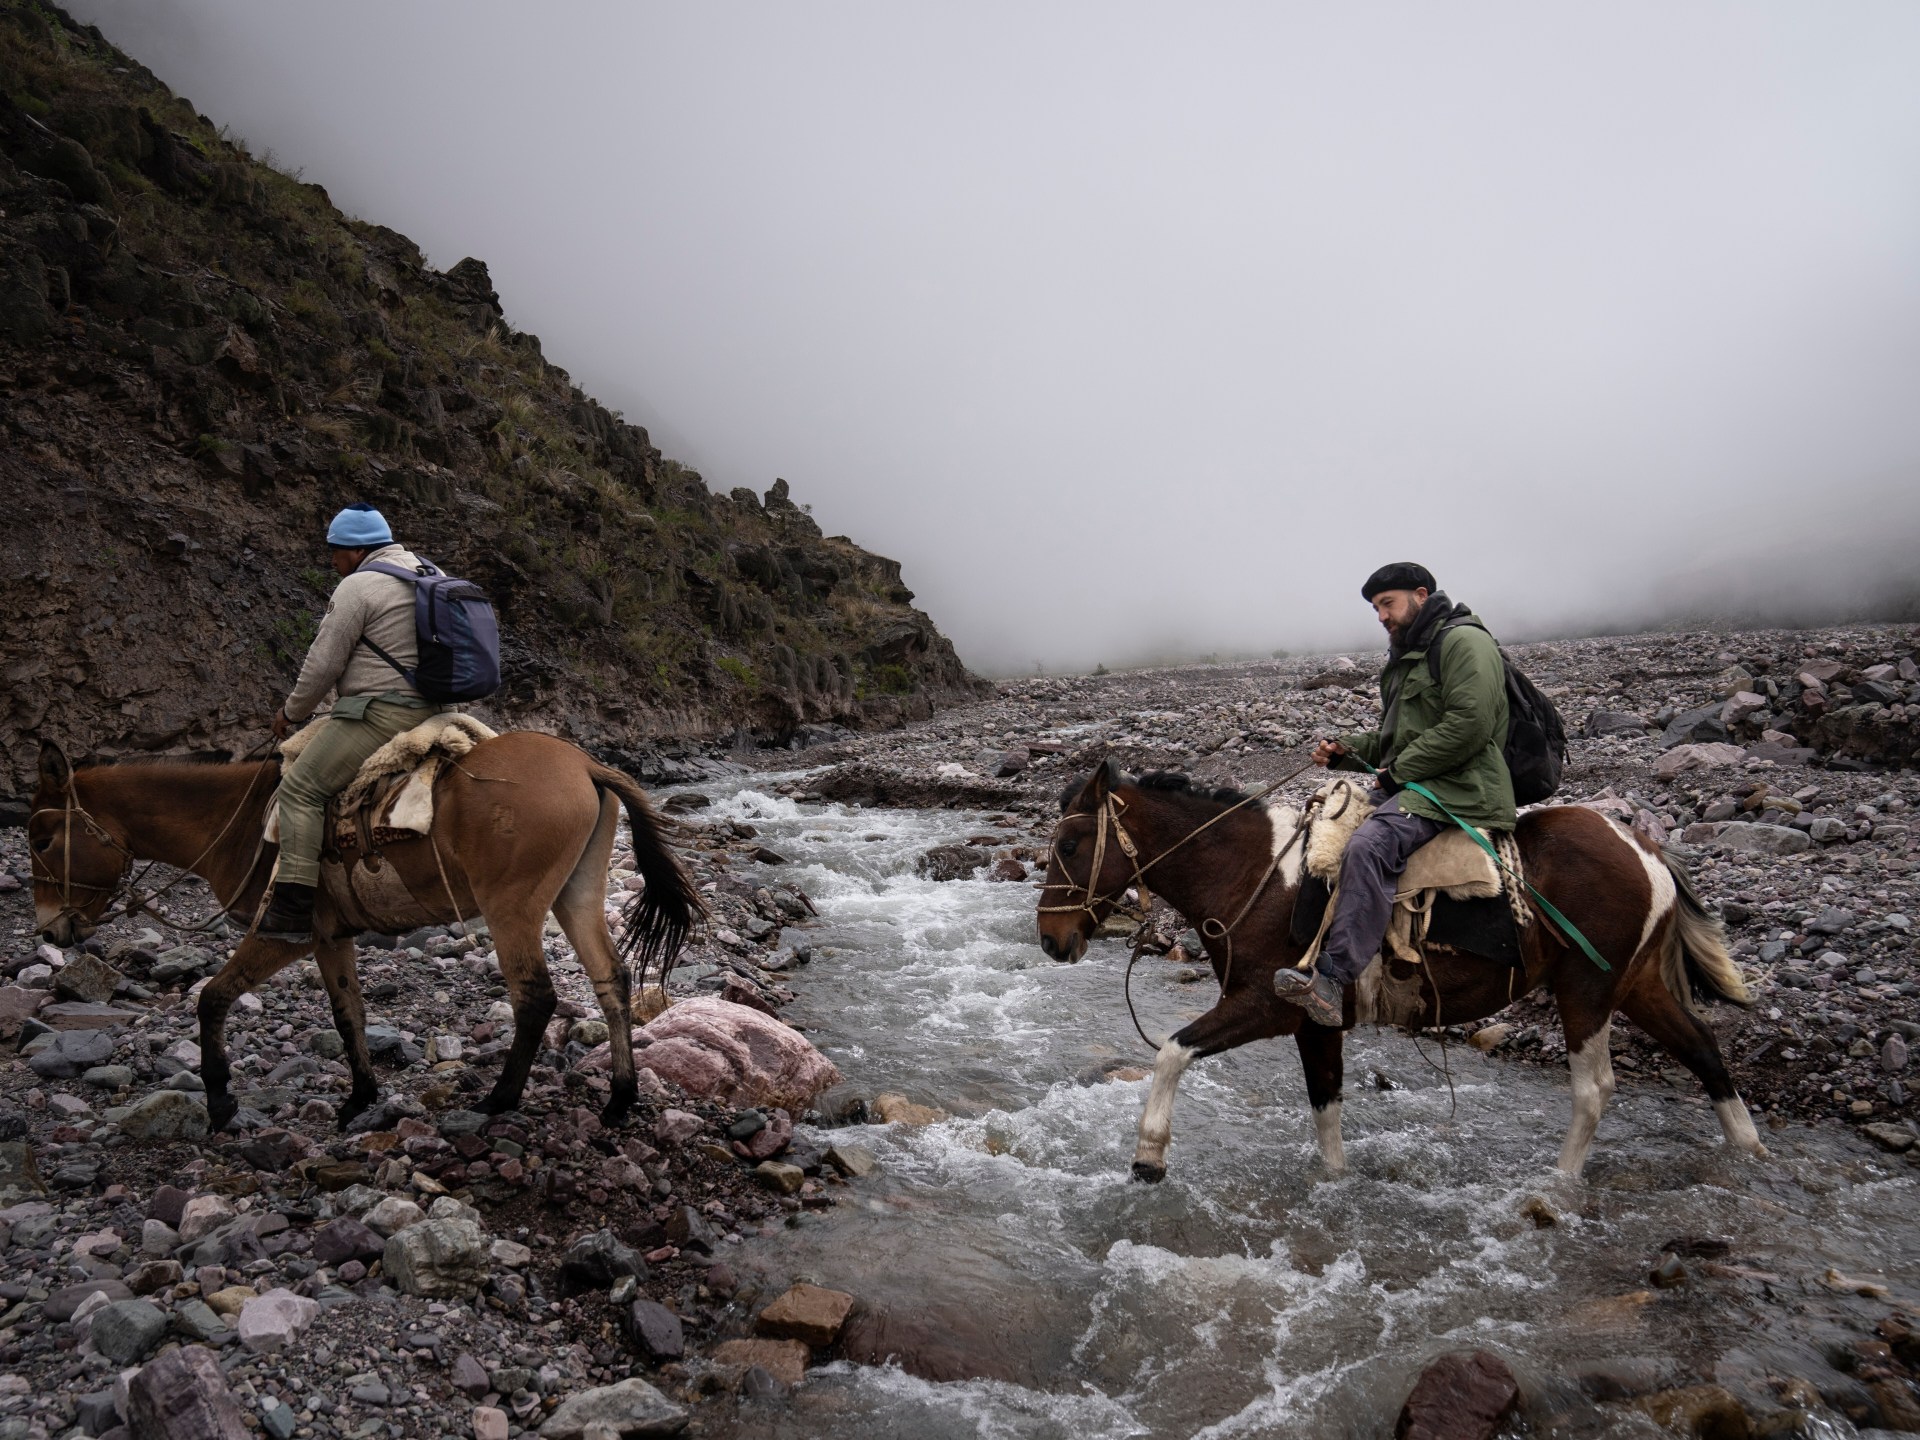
[1375, 858]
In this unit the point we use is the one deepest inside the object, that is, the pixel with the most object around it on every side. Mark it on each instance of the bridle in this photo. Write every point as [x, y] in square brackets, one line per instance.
[137, 903]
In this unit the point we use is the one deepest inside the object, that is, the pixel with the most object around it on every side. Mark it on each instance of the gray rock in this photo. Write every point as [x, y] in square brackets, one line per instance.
[166, 1115]
[655, 1331]
[1893, 1055]
[1831, 921]
[440, 1259]
[595, 1261]
[1826, 829]
[1754, 839]
[1694, 725]
[108, 1077]
[952, 862]
[18, 1174]
[1612, 722]
[60, 1305]
[71, 1053]
[125, 1330]
[183, 1396]
[178, 963]
[633, 1407]
[198, 1321]
[278, 1420]
[852, 1161]
[87, 977]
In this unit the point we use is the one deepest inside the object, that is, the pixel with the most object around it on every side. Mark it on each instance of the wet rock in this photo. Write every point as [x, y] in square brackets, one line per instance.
[951, 862]
[1897, 1138]
[728, 1052]
[440, 1259]
[1668, 1273]
[632, 1407]
[785, 1360]
[1459, 1397]
[166, 1115]
[1488, 1038]
[271, 1322]
[1541, 1211]
[782, 1179]
[893, 1109]
[654, 1331]
[852, 1161]
[183, 1396]
[125, 1330]
[807, 1312]
[688, 1229]
[1707, 1411]
[595, 1261]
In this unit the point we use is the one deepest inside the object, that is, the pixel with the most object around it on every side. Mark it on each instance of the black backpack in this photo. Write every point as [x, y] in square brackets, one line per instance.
[457, 631]
[1536, 747]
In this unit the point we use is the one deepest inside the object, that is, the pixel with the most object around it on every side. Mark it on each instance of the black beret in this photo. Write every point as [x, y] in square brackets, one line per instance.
[1400, 575]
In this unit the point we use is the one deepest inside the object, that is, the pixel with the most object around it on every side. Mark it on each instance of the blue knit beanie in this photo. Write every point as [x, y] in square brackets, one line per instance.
[357, 527]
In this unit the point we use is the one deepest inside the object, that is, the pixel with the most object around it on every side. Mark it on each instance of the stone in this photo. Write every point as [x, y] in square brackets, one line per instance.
[688, 1229]
[596, 1260]
[154, 1275]
[1826, 830]
[59, 1307]
[392, 1215]
[1739, 706]
[71, 1053]
[87, 977]
[489, 1423]
[728, 1052]
[1459, 1397]
[654, 1331]
[632, 1407]
[440, 1259]
[277, 1419]
[469, 1376]
[1697, 757]
[108, 1077]
[894, 1109]
[785, 1360]
[783, 1179]
[1703, 724]
[202, 1215]
[18, 1173]
[807, 1312]
[676, 1127]
[344, 1239]
[166, 1115]
[1612, 722]
[168, 1205]
[1487, 1039]
[951, 862]
[18, 1005]
[1893, 1055]
[125, 1330]
[853, 1161]
[85, 1015]
[230, 1300]
[1757, 839]
[510, 1253]
[1897, 1138]
[273, 1321]
[1704, 1410]
[183, 1396]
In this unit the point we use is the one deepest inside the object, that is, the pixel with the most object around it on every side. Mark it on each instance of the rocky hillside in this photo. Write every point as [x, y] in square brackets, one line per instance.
[201, 358]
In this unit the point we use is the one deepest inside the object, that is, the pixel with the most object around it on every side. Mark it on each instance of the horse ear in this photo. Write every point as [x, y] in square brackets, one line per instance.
[55, 771]
[1104, 780]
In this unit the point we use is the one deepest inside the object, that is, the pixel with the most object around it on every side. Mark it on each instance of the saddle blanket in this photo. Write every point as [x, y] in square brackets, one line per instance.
[396, 781]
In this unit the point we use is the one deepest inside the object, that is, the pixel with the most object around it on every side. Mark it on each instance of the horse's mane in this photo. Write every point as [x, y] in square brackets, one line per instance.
[1175, 781]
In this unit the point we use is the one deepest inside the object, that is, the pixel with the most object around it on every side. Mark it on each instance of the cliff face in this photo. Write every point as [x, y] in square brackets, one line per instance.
[201, 359]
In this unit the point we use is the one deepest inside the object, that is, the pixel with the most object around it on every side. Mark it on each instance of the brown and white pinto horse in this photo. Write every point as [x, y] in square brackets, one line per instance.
[1633, 902]
[523, 825]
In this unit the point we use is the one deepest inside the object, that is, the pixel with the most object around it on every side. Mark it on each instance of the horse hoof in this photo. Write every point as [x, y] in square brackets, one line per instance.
[1151, 1174]
[614, 1113]
[498, 1104]
[220, 1111]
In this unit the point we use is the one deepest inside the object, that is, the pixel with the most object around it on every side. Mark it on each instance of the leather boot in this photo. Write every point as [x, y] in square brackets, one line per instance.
[290, 914]
[1322, 998]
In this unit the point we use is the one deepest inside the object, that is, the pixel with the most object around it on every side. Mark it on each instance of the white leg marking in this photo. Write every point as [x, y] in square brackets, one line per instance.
[1285, 821]
[1592, 1066]
[1326, 1124]
[1156, 1121]
[1737, 1125]
[1659, 878]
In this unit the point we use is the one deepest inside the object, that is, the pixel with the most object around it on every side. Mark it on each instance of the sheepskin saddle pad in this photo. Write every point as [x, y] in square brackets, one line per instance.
[1450, 867]
[392, 796]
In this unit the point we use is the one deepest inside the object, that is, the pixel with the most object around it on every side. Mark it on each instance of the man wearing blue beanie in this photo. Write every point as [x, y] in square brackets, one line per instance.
[372, 703]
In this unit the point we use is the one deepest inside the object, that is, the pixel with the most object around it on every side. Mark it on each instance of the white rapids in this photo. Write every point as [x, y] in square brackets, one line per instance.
[1249, 1294]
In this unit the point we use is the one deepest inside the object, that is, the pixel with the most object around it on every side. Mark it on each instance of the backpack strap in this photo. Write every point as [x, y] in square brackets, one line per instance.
[399, 572]
[1433, 646]
[405, 674]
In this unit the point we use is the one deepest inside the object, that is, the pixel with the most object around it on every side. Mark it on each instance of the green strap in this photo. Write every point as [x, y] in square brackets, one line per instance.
[1552, 913]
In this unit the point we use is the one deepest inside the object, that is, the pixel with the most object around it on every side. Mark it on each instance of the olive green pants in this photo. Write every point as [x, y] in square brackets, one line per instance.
[322, 770]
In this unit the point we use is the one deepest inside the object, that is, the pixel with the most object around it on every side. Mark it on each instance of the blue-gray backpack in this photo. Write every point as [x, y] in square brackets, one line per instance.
[458, 634]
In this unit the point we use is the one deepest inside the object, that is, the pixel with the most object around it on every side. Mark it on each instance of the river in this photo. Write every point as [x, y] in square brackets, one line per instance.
[1251, 1294]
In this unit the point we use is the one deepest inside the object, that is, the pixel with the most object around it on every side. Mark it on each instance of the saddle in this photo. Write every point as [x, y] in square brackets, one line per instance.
[1451, 896]
[391, 798]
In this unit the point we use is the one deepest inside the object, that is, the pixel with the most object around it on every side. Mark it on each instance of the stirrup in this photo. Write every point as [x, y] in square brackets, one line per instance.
[1288, 981]
[1324, 1000]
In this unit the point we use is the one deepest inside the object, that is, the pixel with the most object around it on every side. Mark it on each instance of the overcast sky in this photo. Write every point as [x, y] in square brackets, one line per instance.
[1134, 329]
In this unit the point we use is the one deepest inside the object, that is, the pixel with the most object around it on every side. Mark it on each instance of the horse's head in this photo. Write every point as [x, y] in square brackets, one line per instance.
[77, 862]
[1089, 867]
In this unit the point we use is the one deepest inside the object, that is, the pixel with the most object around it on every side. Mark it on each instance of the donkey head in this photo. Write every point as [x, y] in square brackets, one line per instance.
[1075, 899]
[77, 863]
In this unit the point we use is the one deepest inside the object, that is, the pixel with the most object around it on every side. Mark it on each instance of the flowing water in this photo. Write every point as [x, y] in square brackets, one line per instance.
[1250, 1294]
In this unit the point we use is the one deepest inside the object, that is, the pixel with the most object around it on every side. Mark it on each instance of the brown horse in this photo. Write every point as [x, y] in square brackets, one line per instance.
[523, 826]
[1208, 855]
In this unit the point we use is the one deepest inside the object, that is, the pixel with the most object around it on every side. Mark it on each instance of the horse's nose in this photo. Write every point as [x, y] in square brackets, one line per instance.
[1052, 950]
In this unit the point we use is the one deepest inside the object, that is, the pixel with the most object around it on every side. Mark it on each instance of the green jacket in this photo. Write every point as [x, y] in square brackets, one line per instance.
[1448, 735]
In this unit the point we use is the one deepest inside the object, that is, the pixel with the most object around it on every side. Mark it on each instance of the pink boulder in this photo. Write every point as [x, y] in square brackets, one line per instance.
[722, 1051]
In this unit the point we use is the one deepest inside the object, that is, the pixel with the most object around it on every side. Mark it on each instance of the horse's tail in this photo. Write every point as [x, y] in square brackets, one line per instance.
[657, 919]
[1695, 961]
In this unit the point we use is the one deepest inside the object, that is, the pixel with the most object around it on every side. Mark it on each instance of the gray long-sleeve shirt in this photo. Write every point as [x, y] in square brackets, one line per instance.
[367, 603]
